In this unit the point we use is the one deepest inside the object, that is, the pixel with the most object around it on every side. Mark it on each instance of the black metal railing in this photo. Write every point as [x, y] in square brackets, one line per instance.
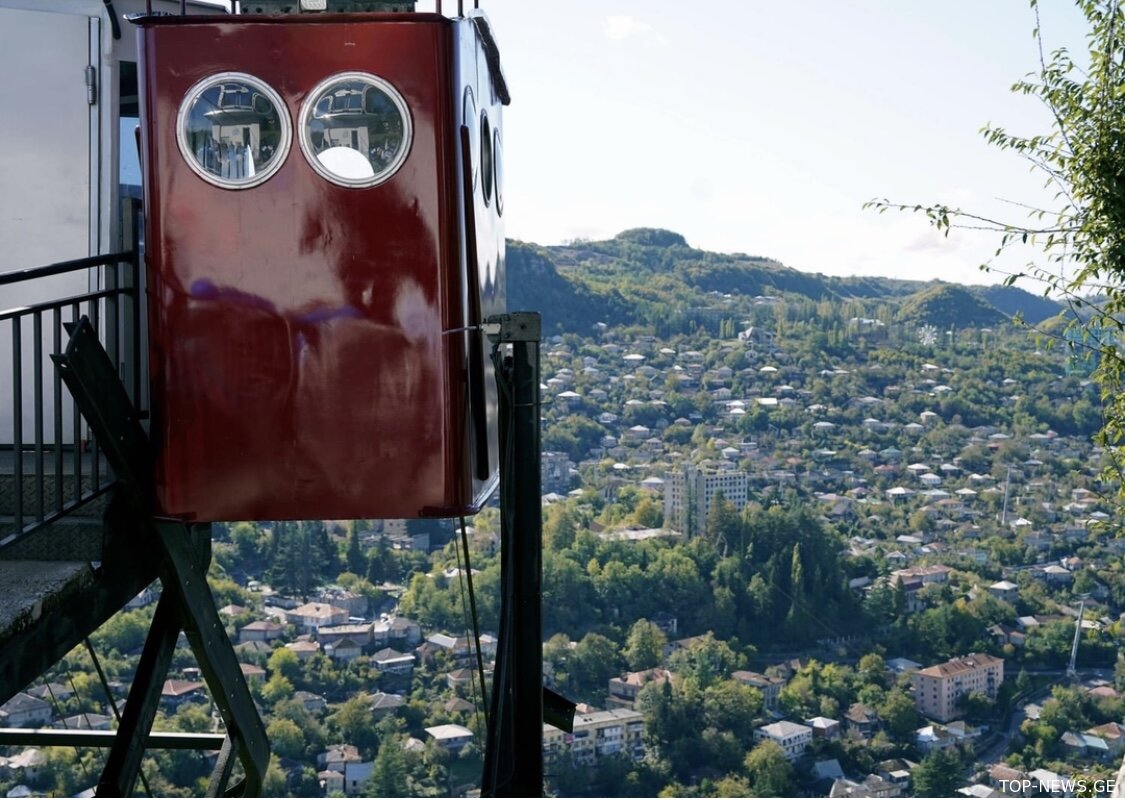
[49, 464]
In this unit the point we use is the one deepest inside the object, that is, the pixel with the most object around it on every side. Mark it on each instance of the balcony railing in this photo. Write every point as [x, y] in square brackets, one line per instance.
[49, 465]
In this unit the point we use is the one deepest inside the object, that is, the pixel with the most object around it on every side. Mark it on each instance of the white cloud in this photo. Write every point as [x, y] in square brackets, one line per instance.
[622, 26]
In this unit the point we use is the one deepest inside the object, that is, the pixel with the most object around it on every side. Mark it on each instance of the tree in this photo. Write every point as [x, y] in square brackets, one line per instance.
[389, 773]
[900, 716]
[246, 537]
[286, 738]
[355, 557]
[732, 707]
[873, 669]
[939, 775]
[279, 687]
[644, 647]
[705, 661]
[898, 601]
[771, 774]
[284, 661]
[594, 661]
[733, 786]
[1082, 161]
[354, 722]
[723, 524]
[672, 717]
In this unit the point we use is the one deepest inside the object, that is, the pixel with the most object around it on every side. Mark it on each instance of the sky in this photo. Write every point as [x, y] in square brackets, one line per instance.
[762, 126]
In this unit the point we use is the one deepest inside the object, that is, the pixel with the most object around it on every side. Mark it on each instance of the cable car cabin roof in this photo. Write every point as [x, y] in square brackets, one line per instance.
[479, 20]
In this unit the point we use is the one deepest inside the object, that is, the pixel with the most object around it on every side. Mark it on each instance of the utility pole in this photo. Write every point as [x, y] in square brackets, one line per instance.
[1007, 482]
[1071, 669]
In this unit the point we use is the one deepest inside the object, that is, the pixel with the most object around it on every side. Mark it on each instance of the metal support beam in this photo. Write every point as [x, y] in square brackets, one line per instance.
[513, 765]
[183, 554]
[104, 739]
[188, 553]
[224, 764]
[124, 762]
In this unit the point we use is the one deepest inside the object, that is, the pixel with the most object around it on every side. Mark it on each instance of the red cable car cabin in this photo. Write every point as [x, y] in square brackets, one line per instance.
[324, 201]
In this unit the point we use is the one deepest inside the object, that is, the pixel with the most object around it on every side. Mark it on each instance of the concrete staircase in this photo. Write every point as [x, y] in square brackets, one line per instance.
[42, 573]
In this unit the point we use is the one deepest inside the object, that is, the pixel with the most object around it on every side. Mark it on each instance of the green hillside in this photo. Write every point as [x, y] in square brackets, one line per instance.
[655, 277]
[567, 304]
[1016, 301]
[945, 305]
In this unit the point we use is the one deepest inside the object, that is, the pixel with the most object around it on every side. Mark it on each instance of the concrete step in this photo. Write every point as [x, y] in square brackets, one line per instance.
[32, 589]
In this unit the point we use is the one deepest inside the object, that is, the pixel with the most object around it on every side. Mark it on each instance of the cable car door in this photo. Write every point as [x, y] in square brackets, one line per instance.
[48, 190]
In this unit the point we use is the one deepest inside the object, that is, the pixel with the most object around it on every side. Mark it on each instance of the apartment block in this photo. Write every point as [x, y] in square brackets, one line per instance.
[690, 494]
[598, 733]
[939, 688]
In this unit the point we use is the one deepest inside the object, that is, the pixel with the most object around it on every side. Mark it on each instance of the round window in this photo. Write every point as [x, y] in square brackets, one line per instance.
[233, 130]
[485, 159]
[355, 130]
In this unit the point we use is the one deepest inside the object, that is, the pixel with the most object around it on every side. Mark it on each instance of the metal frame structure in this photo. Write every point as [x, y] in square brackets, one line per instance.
[182, 556]
[513, 760]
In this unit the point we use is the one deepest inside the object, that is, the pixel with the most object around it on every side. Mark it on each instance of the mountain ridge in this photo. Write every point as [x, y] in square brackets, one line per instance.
[643, 275]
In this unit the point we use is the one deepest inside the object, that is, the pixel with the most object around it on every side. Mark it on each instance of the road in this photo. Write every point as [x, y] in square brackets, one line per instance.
[999, 748]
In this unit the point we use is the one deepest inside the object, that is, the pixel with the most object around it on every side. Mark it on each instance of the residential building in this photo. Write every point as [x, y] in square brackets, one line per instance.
[690, 494]
[304, 648]
[389, 661]
[460, 679]
[312, 702]
[555, 473]
[769, 686]
[355, 603]
[177, 691]
[404, 629]
[24, 711]
[457, 647]
[872, 787]
[85, 721]
[605, 732]
[331, 782]
[824, 727]
[314, 616]
[793, 739]
[343, 650]
[623, 689]
[938, 690]
[1113, 734]
[1006, 591]
[933, 736]
[450, 736]
[358, 633]
[383, 704]
[356, 776]
[337, 756]
[862, 721]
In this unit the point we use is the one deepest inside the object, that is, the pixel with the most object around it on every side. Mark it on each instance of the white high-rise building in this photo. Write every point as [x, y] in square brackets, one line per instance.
[689, 495]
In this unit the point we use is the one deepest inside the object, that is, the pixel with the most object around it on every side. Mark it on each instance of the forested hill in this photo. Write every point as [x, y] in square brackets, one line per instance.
[653, 276]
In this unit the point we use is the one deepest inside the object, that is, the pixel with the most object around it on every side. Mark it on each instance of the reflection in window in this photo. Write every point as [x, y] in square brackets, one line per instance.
[233, 130]
[355, 130]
